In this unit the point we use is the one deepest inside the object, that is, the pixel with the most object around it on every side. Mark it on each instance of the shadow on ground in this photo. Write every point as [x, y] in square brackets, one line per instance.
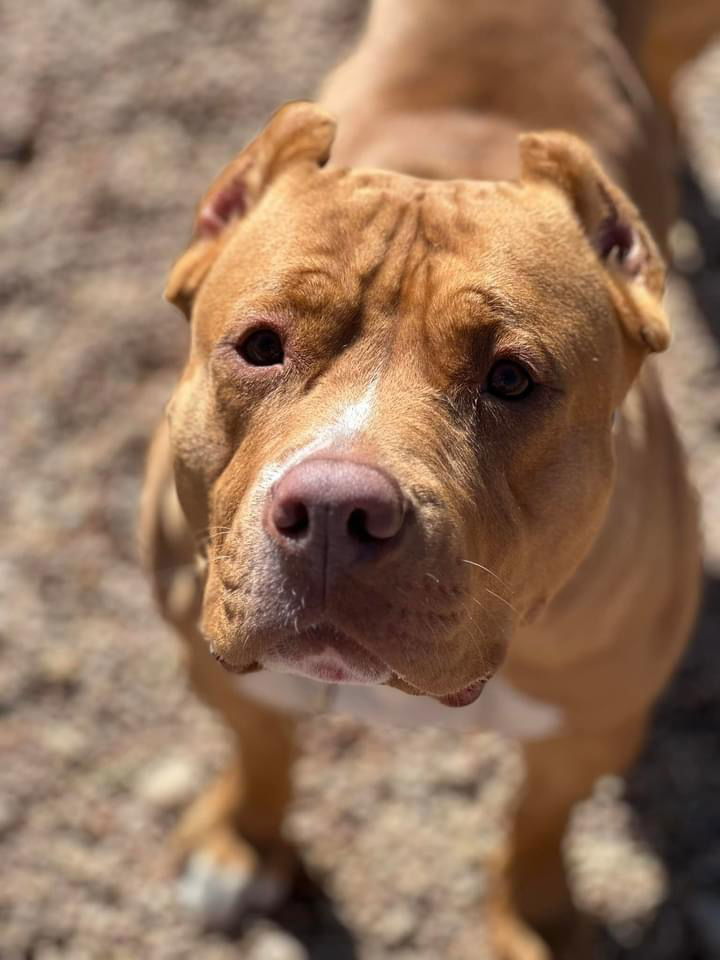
[310, 917]
[675, 792]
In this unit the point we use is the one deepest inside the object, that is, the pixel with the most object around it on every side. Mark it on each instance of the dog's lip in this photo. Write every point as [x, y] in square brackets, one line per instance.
[240, 669]
[465, 696]
[322, 652]
[325, 662]
[319, 652]
[331, 668]
[458, 698]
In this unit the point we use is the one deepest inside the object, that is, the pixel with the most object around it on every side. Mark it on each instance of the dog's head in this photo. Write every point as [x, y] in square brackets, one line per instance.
[393, 433]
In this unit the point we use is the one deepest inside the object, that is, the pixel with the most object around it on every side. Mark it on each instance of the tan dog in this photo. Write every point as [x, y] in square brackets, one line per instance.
[416, 445]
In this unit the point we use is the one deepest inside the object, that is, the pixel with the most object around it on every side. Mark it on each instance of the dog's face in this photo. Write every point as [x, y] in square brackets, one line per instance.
[393, 433]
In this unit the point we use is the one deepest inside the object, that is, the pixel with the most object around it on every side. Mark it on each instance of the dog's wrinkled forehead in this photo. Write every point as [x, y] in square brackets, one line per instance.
[351, 251]
[556, 246]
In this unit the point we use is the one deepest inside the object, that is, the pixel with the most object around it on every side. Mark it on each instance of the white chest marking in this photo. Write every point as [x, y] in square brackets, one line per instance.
[501, 707]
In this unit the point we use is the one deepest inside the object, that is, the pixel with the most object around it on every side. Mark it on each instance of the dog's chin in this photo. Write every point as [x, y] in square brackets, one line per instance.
[319, 652]
[326, 654]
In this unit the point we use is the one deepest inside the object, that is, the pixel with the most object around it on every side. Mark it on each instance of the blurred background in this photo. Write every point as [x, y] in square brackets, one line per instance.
[114, 118]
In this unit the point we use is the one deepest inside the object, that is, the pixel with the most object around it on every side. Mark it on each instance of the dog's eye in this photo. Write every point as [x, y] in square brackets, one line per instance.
[262, 348]
[509, 380]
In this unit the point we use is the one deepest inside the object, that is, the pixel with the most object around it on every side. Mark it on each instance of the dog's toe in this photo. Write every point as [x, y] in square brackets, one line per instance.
[222, 891]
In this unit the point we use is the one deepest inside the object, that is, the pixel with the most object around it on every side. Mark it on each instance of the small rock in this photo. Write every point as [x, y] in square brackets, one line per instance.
[269, 943]
[65, 741]
[59, 667]
[169, 783]
[397, 925]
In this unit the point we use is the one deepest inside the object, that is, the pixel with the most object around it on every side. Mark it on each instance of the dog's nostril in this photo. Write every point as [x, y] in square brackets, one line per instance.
[358, 527]
[375, 523]
[291, 518]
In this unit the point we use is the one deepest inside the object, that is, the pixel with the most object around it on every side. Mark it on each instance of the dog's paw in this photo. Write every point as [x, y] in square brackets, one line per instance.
[223, 884]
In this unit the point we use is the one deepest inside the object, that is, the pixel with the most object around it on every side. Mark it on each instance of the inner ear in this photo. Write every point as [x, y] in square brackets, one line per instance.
[299, 132]
[612, 225]
[300, 135]
[619, 244]
[231, 201]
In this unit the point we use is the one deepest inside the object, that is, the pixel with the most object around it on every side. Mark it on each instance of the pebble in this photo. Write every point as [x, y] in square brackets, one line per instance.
[65, 741]
[169, 783]
[59, 666]
[272, 944]
[396, 924]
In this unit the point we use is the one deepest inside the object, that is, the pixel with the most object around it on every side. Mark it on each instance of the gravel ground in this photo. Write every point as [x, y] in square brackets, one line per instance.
[114, 118]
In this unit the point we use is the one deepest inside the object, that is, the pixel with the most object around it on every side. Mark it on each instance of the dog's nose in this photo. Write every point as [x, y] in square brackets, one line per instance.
[334, 506]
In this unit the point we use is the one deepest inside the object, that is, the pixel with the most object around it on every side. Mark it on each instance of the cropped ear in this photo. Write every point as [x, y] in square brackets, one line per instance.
[613, 226]
[298, 132]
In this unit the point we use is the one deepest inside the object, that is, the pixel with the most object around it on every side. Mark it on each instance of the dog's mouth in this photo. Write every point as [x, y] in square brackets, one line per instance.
[322, 652]
[318, 652]
[240, 670]
[326, 654]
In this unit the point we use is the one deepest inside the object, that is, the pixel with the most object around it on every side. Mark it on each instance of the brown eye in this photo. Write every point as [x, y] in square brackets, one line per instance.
[262, 348]
[509, 380]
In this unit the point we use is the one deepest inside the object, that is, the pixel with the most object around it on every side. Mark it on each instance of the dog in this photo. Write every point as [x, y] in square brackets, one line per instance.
[419, 463]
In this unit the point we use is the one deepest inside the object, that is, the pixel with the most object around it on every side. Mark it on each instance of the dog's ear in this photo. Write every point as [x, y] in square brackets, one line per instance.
[613, 226]
[298, 133]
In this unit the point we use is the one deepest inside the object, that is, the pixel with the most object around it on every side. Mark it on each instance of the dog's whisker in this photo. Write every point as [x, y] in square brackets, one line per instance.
[482, 606]
[214, 534]
[497, 597]
[492, 573]
[209, 531]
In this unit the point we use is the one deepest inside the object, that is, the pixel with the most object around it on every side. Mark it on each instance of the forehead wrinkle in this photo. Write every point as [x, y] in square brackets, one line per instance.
[416, 266]
[293, 286]
[372, 259]
[414, 275]
[492, 301]
[385, 259]
[434, 246]
[353, 239]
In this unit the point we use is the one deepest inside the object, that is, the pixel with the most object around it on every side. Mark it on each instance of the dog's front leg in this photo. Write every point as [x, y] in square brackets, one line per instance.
[560, 772]
[230, 842]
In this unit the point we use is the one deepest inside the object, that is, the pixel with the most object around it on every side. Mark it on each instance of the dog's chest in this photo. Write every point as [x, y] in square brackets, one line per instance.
[500, 708]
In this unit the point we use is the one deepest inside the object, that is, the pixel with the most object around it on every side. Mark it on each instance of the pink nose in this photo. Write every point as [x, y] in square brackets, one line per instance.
[349, 511]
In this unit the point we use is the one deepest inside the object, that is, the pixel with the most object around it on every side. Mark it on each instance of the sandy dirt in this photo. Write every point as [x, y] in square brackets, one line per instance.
[114, 118]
